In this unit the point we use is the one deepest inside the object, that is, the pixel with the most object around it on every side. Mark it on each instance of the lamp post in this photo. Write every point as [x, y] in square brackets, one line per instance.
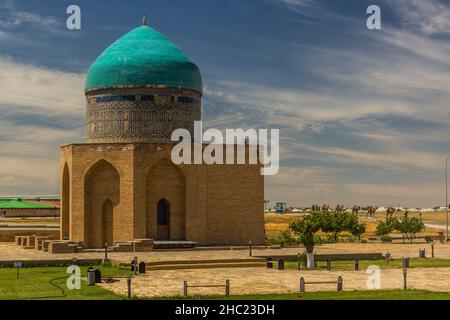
[446, 199]
[266, 202]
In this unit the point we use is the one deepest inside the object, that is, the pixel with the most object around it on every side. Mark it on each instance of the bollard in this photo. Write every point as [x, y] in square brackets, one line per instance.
[129, 287]
[250, 245]
[302, 285]
[136, 266]
[269, 263]
[298, 261]
[356, 263]
[422, 254]
[388, 257]
[142, 267]
[97, 275]
[340, 284]
[185, 288]
[227, 288]
[432, 250]
[281, 264]
[328, 264]
[106, 252]
[405, 271]
[405, 263]
[91, 277]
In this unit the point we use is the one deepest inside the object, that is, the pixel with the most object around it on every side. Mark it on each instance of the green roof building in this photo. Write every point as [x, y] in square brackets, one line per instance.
[23, 204]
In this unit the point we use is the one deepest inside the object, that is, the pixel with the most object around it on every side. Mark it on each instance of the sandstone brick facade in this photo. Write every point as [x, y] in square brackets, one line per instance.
[110, 192]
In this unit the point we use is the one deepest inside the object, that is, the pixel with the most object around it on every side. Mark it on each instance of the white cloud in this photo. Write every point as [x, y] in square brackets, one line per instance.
[29, 149]
[42, 90]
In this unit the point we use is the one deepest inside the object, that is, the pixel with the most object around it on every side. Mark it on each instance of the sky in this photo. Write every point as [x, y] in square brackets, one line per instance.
[363, 114]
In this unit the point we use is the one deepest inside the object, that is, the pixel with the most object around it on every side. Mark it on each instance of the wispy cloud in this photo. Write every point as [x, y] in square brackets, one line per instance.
[378, 112]
[431, 17]
[16, 21]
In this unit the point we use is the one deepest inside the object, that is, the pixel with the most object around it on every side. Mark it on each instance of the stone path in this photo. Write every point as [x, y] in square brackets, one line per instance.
[169, 283]
[10, 251]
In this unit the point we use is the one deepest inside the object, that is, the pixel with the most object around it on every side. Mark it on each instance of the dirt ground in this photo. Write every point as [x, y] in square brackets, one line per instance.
[11, 252]
[169, 283]
[276, 223]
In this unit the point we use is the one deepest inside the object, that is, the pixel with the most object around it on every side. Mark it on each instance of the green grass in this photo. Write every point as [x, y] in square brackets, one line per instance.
[346, 295]
[393, 264]
[36, 283]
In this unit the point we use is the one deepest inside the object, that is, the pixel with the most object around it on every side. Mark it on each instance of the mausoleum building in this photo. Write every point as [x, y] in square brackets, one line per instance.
[122, 186]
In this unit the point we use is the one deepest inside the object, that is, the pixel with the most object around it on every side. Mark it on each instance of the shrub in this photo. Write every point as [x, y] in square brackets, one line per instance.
[409, 227]
[386, 227]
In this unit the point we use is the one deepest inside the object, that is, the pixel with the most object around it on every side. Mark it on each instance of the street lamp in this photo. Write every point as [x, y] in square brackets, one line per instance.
[446, 199]
[266, 202]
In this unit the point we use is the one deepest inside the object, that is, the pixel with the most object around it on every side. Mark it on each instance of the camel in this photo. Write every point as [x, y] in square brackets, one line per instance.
[355, 209]
[390, 212]
[371, 211]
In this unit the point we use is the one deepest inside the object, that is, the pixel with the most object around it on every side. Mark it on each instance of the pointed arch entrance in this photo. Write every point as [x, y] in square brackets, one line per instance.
[102, 196]
[65, 204]
[165, 202]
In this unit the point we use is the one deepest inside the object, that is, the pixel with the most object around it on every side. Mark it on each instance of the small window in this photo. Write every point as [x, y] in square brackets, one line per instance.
[116, 98]
[148, 97]
[187, 100]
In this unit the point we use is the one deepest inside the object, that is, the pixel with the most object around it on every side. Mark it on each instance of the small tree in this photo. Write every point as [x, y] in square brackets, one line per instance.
[333, 223]
[306, 229]
[384, 228]
[358, 230]
[337, 222]
[409, 227]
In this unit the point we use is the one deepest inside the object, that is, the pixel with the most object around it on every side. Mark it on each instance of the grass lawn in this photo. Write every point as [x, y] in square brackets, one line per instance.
[49, 283]
[346, 295]
[393, 264]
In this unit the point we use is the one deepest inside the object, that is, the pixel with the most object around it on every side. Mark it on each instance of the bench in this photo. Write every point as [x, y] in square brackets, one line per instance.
[226, 286]
[339, 283]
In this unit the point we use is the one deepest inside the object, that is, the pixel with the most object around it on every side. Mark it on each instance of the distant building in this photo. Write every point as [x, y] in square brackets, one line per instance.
[15, 208]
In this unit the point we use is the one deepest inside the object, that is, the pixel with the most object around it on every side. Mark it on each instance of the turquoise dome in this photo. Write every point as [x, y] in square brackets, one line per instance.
[144, 57]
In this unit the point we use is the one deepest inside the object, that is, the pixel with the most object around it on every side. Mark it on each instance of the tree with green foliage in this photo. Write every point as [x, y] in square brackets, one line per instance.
[334, 224]
[337, 222]
[357, 229]
[384, 228]
[306, 229]
[330, 222]
[409, 227]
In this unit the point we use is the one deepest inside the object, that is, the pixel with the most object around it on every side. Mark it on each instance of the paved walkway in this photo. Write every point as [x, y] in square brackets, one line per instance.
[10, 251]
[169, 283]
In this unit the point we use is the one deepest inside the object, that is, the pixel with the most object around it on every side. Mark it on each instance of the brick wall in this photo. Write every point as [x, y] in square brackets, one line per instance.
[211, 205]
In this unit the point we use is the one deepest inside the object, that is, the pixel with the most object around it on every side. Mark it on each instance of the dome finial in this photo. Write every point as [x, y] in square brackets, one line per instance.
[144, 20]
